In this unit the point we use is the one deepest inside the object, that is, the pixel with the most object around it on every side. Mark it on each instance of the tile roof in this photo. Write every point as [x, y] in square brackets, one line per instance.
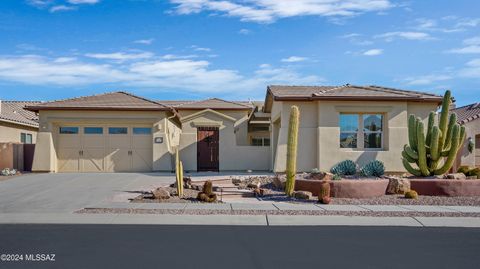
[467, 113]
[349, 92]
[15, 112]
[212, 103]
[106, 101]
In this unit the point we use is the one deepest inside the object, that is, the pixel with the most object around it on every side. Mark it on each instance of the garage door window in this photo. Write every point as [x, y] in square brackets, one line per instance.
[142, 131]
[93, 130]
[118, 130]
[69, 130]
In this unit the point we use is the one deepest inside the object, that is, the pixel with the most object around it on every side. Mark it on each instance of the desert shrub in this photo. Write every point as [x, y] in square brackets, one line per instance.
[474, 172]
[374, 168]
[463, 169]
[315, 171]
[347, 167]
[336, 177]
[411, 194]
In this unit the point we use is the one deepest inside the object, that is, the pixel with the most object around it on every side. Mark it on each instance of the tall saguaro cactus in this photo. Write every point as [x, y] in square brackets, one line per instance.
[179, 173]
[434, 152]
[292, 150]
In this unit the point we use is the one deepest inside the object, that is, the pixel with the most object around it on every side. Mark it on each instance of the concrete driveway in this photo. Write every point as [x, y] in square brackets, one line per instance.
[61, 193]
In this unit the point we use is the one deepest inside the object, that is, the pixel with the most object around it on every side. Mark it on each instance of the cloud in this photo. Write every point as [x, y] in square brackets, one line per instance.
[390, 36]
[294, 59]
[244, 31]
[427, 79]
[268, 11]
[197, 48]
[373, 52]
[80, 2]
[472, 69]
[144, 41]
[180, 74]
[472, 46]
[120, 56]
[62, 8]
[356, 39]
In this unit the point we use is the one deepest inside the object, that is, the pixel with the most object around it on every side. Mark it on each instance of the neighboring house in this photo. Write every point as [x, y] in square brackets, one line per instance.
[18, 125]
[469, 116]
[360, 123]
[118, 131]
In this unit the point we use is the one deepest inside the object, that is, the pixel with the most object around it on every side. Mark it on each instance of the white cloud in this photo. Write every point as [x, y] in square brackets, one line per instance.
[183, 74]
[294, 59]
[244, 31]
[61, 8]
[427, 79]
[390, 36]
[144, 41]
[356, 39]
[373, 52]
[197, 48]
[267, 11]
[472, 69]
[79, 2]
[472, 46]
[120, 56]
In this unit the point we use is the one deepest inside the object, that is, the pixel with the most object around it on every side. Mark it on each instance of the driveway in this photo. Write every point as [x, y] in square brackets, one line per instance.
[61, 193]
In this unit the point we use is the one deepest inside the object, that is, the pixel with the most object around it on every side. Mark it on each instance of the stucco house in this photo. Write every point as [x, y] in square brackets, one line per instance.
[17, 125]
[117, 132]
[469, 116]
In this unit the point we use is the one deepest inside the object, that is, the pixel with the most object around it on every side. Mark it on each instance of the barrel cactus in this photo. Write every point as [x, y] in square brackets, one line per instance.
[374, 168]
[347, 167]
[292, 150]
[324, 193]
[435, 151]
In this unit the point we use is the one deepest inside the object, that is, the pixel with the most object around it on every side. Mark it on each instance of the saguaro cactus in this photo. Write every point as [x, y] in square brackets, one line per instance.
[435, 152]
[292, 150]
[179, 173]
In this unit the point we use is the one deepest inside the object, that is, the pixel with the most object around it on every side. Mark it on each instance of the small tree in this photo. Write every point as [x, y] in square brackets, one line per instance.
[292, 150]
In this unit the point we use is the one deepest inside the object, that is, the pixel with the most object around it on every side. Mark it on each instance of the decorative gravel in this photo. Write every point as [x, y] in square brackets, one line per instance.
[275, 212]
[189, 196]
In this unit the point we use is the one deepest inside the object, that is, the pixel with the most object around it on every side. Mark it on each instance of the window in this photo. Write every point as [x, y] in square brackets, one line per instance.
[118, 130]
[26, 138]
[260, 141]
[93, 130]
[69, 130]
[142, 131]
[361, 131]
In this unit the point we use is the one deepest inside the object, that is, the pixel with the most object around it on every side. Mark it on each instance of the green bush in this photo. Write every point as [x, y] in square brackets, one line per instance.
[347, 167]
[474, 172]
[374, 168]
[336, 177]
[463, 169]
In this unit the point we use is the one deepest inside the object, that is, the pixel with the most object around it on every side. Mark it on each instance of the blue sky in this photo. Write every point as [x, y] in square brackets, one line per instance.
[232, 49]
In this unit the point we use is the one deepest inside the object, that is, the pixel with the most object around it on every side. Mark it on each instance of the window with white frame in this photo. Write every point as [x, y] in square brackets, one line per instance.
[260, 141]
[361, 130]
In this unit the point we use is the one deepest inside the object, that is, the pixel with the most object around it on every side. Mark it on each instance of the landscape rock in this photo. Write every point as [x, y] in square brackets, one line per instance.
[161, 193]
[279, 181]
[322, 176]
[303, 195]
[254, 185]
[472, 177]
[259, 192]
[236, 181]
[398, 185]
[455, 176]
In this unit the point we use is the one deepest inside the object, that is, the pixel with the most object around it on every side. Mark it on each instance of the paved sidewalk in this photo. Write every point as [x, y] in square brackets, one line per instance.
[268, 206]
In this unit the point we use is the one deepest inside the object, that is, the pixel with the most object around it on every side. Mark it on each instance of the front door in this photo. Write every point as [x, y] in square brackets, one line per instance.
[207, 149]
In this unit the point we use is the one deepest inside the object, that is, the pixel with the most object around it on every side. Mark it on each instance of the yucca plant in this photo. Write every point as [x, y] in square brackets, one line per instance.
[374, 168]
[434, 152]
[292, 143]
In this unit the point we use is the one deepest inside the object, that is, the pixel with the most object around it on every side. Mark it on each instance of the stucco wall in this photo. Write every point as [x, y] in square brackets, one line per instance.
[45, 153]
[234, 153]
[10, 132]
[319, 134]
[471, 129]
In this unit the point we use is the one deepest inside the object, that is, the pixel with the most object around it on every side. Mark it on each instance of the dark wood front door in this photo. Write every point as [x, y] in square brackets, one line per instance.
[207, 149]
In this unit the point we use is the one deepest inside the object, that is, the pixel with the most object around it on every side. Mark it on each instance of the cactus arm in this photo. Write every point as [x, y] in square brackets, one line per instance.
[444, 115]
[410, 169]
[431, 123]
[462, 136]
[434, 150]
[412, 132]
[448, 139]
[452, 155]
[422, 153]
[410, 152]
[408, 158]
[292, 150]
[181, 178]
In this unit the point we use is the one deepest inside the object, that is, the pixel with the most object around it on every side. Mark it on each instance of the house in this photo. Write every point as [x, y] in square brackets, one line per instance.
[469, 116]
[121, 132]
[17, 125]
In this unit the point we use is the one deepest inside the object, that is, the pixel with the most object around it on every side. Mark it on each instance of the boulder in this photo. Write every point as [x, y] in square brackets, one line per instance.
[279, 182]
[303, 195]
[455, 176]
[161, 193]
[322, 176]
[254, 184]
[398, 185]
[236, 181]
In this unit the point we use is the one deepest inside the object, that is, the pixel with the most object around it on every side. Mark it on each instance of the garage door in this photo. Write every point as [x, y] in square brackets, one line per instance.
[104, 148]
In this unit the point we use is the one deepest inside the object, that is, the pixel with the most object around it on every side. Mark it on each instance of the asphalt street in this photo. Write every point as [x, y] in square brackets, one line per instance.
[159, 246]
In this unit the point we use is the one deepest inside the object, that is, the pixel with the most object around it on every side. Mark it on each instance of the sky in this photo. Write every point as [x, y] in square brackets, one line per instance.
[233, 49]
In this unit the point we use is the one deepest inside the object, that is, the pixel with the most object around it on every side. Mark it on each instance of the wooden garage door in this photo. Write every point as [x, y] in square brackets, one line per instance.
[105, 149]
